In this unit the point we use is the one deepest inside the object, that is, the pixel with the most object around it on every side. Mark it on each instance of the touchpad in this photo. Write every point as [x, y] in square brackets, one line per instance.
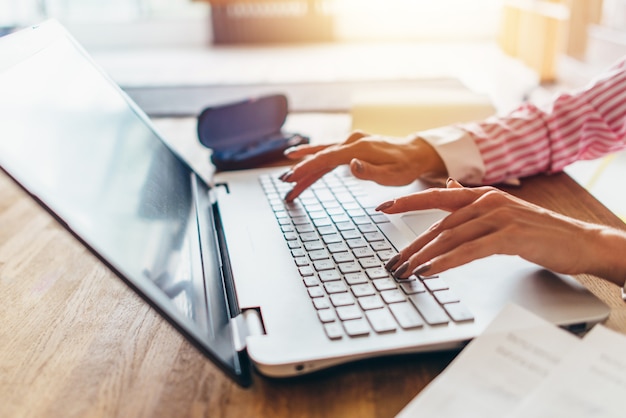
[420, 221]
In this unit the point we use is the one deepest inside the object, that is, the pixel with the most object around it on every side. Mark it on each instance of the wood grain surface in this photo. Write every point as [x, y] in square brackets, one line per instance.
[75, 341]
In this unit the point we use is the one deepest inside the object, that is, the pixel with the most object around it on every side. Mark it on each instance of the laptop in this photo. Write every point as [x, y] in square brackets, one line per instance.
[249, 280]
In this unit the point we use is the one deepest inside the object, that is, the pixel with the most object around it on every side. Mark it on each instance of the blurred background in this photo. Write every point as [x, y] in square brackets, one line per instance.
[389, 66]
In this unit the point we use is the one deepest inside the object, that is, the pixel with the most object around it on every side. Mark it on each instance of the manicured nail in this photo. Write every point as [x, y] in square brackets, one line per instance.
[401, 270]
[289, 197]
[385, 205]
[392, 262]
[285, 176]
[422, 268]
[358, 166]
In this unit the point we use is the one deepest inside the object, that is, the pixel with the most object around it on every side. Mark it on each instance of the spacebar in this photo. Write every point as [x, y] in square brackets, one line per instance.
[394, 235]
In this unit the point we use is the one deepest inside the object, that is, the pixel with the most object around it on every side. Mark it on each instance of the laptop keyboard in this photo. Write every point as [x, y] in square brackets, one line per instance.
[339, 247]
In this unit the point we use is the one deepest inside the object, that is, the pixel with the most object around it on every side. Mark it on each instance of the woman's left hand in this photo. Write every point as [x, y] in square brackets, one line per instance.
[485, 221]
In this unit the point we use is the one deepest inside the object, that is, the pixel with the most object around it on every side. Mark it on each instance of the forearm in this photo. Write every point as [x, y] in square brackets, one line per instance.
[580, 126]
[607, 248]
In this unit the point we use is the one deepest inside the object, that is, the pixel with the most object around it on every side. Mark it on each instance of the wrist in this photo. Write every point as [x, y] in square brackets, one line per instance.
[609, 247]
[428, 162]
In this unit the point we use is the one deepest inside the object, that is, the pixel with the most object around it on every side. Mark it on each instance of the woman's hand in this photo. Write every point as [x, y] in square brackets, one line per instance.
[388, 161]
[485, 221]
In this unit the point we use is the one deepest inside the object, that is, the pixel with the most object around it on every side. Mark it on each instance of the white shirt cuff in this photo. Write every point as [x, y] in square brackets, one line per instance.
[459, 153]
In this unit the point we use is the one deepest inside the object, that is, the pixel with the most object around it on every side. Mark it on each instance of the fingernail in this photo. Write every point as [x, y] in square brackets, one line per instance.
[290, 196]
[422, 268]
[401, 270]
[285, 176]
[392, 262]
[358, 166]
[385, 205]
[289, 150]
[450, 180]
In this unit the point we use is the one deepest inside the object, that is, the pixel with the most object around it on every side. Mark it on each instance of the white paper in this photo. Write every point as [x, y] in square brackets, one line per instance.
[589, 382]
[495, 373]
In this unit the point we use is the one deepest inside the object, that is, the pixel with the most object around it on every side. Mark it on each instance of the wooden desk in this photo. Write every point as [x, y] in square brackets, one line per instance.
[75, 341]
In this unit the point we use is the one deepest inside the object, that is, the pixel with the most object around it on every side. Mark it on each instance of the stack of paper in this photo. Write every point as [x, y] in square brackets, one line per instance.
[524, 366]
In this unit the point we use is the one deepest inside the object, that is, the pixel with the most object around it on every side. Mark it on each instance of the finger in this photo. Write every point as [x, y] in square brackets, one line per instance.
[303, 184]
[453, 184]
[464, 225]
[302, 151]
[355, 136]
[435, 198]
[385, 174]
[473, 250]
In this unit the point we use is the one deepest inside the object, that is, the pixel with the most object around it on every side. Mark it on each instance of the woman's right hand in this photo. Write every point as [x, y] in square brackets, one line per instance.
[385, 160]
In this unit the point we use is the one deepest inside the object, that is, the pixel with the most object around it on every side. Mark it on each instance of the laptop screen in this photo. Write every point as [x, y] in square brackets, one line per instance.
[75, 142]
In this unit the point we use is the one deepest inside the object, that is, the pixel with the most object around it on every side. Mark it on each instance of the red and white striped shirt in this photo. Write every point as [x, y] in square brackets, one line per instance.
[583, 125]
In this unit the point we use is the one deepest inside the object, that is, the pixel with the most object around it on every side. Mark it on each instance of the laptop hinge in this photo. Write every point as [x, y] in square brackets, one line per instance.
[246, 324]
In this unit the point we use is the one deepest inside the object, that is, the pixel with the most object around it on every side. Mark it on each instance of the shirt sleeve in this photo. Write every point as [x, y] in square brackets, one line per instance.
[583, 125]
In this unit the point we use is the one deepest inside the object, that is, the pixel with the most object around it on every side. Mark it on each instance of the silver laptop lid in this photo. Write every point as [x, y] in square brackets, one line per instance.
[73, 140]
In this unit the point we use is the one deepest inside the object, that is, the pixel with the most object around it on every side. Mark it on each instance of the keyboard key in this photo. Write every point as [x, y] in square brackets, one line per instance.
[373, 236]
[313, 245]
[335, 287]
[326, 315]
[290, 235]
[445, 296]
[305, 228]
[341, 299]
[361, 220]
[385, 255]
[368, 262]
[328, 229]
[356, 278]
[412, 287]
[337, 247]
[381, 320]
[346, 313]
[323, 265]
[311, 281]
[406, 315]
[343, 257]
[364, 289]
[368, 227]
[317, 214]
[331, 238]
[350, 234]
[384, 284]
[428, 307]
[309, 236]
[380, 218]
[322, 222]
[300, 220]
[321, 303]
[363, 252]
[393, 296]
[301, 261]
[377, 273]
[343, 226]
[371, 302]
[356, 327]
[381, 245]
[458, 312]
[333, 330]
[294, 244]
[350, 267]
[356, 243]
[306, 271]
[316, 292]
[318, 254]
[329, 275]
